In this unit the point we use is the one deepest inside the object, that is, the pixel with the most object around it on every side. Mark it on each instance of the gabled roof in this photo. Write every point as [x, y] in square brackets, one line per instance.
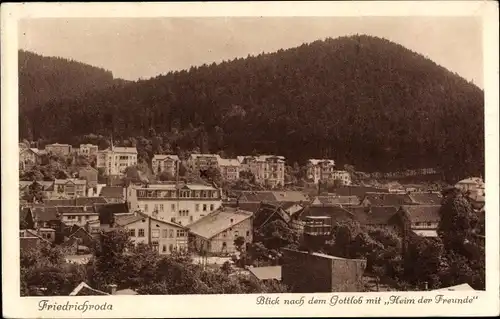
[218, 221]
[112, 192]
[85, 290]
[123, 220]
[266, 273]
[422, 213]
[75, 181]
[267, 211]
[427, 198]
[359, 191]
[59, 202]
[248, 206]
[195, 156]
[161, 157]
[76, 210]
[375, 215]
[108, 211]
[289, 196]
[45, 214]
[337, 200]
[335, 212]
[388, 199]
[89, 201]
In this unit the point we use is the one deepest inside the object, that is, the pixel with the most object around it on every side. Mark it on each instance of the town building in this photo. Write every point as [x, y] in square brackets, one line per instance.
[229, 168]
[30, 239]
[343, 176]
[28, 157]
[474, 185]
[320, 169]
[215, 233]
[422, 218]
[203, 161]
[164, 236]
[88, 150]
[77, 215]
[335, 200]
[116, 159]
[89, 174]
[183, 203]
[59, 149]
[165, 163]
[308, 272]
[386, 199]
[377, 216]
[114, 194]
[69, 188]
[267, 169]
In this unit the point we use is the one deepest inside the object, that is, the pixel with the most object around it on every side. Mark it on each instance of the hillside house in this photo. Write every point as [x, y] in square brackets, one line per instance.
[267, 213]
[77, 215]
[229, 168]
[114, 194]
[165, 163]
[116, 159]
[28, 158]
[198, 162]
[320, 169]
[88, 150]
[336, 200]
[59, 149]
[422, 218]
[215, 233]
[69, 188]
[267, 169]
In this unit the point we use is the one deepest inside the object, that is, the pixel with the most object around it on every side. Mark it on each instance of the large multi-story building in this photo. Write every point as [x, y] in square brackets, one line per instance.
[229, 168]
[182, 204]
[28, 157]
[203, 161]
[164, 236]
[88, 149]
[267, 169]
[116, 159]
[59, 149]
[320, 169]
[69, 188]
[165, 163]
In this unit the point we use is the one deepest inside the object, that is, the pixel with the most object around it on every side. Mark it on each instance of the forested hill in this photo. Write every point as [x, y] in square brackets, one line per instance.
[359, 99]
[42, 79]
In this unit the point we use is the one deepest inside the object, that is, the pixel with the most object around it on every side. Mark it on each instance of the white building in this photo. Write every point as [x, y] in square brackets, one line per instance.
[267, 169]
[203, 161]
[88, 149]
[229, 168]
[182, 204]
[165, 163]
[343, 176]
[320, 169]
[116, 159]
[475, 185]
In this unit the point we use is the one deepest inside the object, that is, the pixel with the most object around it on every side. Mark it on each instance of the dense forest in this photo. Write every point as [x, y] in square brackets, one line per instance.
[42, 79]
[360, 99]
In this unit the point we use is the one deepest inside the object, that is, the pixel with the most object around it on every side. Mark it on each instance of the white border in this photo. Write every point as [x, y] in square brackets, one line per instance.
[240, 305]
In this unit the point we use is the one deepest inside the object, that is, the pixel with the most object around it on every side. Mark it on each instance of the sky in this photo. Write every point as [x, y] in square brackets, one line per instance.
[134, 48]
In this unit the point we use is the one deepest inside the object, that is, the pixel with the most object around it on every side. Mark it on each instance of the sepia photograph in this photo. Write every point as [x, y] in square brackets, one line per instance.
[214, 155]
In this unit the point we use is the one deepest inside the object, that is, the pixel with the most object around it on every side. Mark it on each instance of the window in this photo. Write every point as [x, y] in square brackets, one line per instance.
[155, 245]
[248, 233]
[161, 207]
[191, 218]
[211, 207]
[224, 234]
[79, 219]
[131, 232]
[171, 233]
[141, 232]
[181, 233]
[204, 207]
[145, 207]
[197, 207]
[155, 233]
[156, 207]
[202, 215]
[429, 224]
[164, 233]
[236, 233]
[164, 248]
[173, 207]
[170, 248]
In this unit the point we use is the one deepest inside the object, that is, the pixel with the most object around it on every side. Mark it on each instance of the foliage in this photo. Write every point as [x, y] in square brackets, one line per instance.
[285, 101]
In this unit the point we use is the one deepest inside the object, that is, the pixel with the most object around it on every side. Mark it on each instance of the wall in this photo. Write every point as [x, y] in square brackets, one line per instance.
[141, 224]
[306, 273]
[168, 237]
[243, 229]
[80, 220]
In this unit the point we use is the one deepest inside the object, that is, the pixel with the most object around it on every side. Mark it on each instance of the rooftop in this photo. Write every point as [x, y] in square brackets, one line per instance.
[266, 273]
[159, 157]
[218, 221]
[423, 213]
[112, 192]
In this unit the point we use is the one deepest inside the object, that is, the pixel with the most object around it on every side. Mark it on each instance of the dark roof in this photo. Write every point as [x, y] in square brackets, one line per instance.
[375, 215]
[359, 191]
[89, 201]
[124, 220]
[337, 199]
[45, 214]
[335, 212]
[266, 213]
[23, 213]
[422, 213]
[59, 202]
[427, 198]
[106, 211]
[112, 192]
[388, 199]
[74, 209]
[248, 206]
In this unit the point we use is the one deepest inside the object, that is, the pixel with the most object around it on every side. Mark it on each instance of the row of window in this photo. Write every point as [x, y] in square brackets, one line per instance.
[155, 233]
[184, 212]
[173, 194]
[236, 233]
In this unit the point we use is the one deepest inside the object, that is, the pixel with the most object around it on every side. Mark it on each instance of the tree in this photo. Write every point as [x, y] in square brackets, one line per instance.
[34, 193]
[166, 176]
[277, 234]
[239, 242]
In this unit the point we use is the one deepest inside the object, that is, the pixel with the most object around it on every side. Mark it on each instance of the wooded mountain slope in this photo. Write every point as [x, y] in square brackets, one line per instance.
[361, 100]
[42, 79]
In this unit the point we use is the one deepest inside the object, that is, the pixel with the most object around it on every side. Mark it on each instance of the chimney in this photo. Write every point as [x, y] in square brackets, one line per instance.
[426, 286]
[112, 288]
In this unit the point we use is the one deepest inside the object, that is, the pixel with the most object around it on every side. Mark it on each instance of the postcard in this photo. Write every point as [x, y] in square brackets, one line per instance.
[250, 159]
